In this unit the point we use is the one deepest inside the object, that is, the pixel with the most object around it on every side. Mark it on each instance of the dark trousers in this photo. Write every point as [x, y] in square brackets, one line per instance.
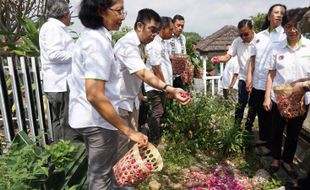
[264, 117]
[293, 127]
[59, 109]
[156, 100]
[177, 82]
[101, 147]
[243, 100]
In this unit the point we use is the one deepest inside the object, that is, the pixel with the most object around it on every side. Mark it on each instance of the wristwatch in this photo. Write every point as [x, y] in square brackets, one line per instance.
[165, 87]
[306, 86]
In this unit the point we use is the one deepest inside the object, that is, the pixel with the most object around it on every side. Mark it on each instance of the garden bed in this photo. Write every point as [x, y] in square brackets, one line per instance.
[202, 150]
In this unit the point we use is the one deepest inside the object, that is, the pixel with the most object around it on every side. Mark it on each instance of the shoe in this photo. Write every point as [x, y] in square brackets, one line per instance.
[262, 153]
[291, 173]
[256, 145]
[273, 169]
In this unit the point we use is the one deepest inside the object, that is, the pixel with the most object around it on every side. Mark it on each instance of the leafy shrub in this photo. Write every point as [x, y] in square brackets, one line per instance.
[25, 165]
[21, 166]
[204, 124]
[61, 153]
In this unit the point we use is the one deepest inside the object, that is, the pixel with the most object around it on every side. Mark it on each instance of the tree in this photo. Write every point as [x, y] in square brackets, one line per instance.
[192, 37]
[124, 30]
[258, 21]
[12, 10]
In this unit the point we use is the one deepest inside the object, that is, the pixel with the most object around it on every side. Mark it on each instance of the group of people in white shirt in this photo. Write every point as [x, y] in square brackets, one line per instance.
[98, 84]
[279, 54]
[105, 81]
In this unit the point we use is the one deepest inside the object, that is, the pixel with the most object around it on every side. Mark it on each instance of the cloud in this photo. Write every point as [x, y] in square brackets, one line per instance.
[203, 16]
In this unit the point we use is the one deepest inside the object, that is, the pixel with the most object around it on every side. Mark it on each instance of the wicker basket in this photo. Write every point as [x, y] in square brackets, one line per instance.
[187, 75]
[137, 164]
[289, 105]
[179, 63]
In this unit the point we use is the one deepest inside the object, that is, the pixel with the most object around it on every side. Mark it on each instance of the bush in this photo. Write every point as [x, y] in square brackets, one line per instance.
[206, 124]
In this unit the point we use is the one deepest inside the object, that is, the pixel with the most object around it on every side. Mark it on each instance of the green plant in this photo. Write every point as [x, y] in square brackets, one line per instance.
[21, 167]
[273, 184]
[204, 124]
[28, 43]
[258, 21]
[61, 153]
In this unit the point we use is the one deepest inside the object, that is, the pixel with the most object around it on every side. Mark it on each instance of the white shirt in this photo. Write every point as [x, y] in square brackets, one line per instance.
[128, 52]
[56, 47]
[264, 43]
[290, 64]
[177, 45]
[231, 68]
[243, 51]
[92, 59]
[158, 55]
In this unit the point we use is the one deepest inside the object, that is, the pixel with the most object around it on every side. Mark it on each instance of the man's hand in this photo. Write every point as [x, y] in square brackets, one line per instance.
[169, 96]
[181, 96]
[215, 60]
[249, 86]
[230, 89]
[138, 137]
[267, 104]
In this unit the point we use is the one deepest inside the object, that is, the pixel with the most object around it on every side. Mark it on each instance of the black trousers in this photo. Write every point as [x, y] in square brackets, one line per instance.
[264, 117]
[156, 100]
[243, 100]
[293, 127]
[59, 108]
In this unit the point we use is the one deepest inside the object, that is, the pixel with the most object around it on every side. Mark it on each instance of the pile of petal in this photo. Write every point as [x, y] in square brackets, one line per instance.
[220, 177]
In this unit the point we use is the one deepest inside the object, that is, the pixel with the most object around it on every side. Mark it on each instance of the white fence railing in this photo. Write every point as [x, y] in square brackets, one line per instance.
[21, 99]
[209, 83]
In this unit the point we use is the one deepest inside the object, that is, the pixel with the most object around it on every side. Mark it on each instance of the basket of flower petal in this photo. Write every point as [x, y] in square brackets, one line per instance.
[179, 63]
[137, 164]
[290, 105]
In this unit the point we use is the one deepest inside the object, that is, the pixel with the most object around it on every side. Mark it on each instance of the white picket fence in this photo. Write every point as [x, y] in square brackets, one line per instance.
[209, 83]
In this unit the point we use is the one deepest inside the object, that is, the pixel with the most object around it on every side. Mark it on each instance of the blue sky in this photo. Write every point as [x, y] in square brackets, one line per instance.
[201, 16]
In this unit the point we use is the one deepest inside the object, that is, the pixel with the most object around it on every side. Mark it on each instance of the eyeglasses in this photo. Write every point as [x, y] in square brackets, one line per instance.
[120, 12]
[246, 34]
[153, 29]
[290, 27]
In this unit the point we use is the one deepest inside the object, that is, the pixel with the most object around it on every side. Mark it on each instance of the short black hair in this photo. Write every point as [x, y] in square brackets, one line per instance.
[165, 22]
[177, 17]
[146, 15]
[266, 23]
[89, 12]
[245, 22]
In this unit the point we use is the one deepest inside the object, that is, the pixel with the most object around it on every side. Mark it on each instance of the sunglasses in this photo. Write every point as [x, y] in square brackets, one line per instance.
[153, 29]
[246, 34]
